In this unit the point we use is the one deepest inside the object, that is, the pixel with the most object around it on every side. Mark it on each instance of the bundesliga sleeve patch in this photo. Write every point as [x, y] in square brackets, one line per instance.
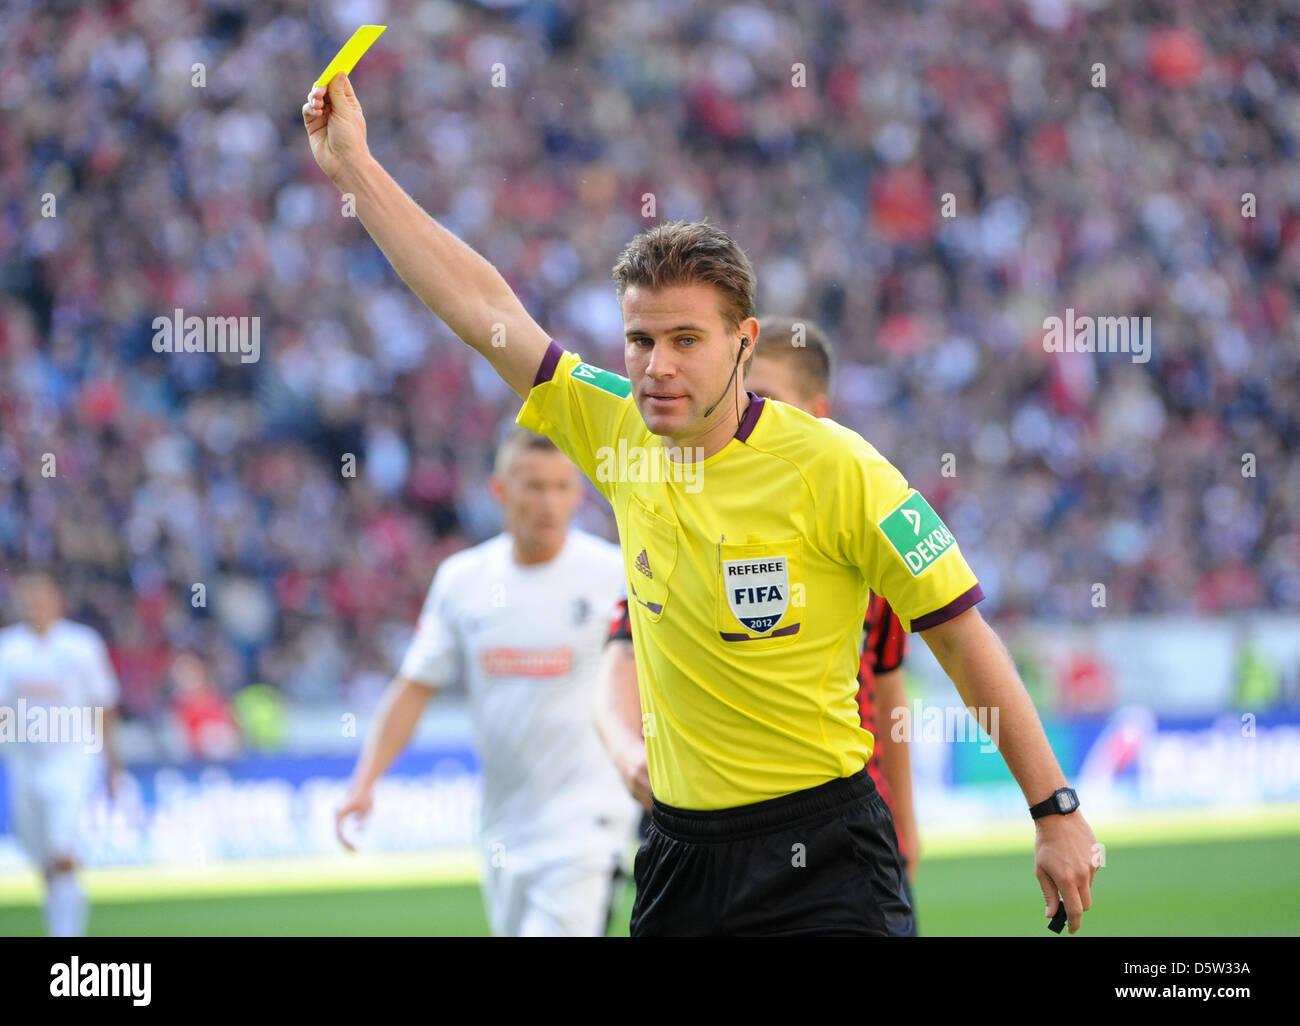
[916, 533]
[606, 381]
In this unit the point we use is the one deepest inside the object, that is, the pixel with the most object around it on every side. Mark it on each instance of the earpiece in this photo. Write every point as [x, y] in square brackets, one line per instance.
[744, 342]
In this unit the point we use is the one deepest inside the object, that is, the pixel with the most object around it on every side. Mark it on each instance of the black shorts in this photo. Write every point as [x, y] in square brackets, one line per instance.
[823, 861]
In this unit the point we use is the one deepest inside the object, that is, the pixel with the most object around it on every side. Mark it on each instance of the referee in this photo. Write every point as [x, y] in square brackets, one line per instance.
[794, 364]
[752, 534]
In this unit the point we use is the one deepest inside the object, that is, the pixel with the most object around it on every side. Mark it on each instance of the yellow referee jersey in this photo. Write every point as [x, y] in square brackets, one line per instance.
[748, 575]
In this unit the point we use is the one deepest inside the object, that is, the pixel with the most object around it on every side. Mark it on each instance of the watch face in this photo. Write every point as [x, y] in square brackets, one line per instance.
[1066, 802]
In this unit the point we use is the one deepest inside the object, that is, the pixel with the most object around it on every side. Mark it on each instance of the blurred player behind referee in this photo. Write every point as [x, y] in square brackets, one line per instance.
[520, 619]
[794, 364]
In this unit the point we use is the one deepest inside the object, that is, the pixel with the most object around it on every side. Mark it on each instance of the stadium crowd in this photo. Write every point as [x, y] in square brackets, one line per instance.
[282, 518]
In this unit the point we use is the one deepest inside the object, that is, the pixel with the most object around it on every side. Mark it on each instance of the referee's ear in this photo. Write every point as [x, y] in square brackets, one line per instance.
[748, 334]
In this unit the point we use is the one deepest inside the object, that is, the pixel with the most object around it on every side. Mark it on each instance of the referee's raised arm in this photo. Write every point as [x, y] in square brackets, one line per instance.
[452, 280]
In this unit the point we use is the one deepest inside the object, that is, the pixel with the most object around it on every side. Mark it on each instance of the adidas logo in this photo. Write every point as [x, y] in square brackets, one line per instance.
[643, 564]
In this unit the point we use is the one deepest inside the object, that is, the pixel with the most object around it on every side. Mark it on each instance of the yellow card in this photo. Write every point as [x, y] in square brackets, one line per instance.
[346, 59]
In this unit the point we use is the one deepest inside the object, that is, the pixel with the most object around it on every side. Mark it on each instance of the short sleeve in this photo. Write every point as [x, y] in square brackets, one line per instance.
[581, 409]
[905, 551]
[434, 656]
[101, 679]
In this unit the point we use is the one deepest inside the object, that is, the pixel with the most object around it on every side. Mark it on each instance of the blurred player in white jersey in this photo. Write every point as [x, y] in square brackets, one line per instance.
[59, 694]
[520, 619]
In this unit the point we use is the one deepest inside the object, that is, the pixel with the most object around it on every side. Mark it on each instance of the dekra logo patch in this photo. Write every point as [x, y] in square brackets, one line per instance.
[916, 533]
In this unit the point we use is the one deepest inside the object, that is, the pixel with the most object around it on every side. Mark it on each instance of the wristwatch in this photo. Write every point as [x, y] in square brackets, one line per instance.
[1061, 803]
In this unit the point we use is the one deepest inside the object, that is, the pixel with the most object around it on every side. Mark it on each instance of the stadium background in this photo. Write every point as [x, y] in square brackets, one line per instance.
[1175, 706]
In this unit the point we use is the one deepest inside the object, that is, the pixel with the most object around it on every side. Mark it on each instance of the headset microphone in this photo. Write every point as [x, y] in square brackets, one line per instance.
[744, 342]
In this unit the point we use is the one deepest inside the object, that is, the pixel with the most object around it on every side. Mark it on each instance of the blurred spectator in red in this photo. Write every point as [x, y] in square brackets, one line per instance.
[201, 711]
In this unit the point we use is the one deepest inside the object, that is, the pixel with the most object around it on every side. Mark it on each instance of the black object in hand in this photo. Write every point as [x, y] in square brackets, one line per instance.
[1058, 919]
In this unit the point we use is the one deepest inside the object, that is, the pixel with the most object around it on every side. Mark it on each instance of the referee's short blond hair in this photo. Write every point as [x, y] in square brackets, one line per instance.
[689, 253]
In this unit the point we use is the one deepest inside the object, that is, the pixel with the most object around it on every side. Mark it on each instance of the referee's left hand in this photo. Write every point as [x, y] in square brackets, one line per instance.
[1064, 864]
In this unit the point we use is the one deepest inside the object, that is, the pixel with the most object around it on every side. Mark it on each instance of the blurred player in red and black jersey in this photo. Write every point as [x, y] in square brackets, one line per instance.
[880, 687]
[793, 363]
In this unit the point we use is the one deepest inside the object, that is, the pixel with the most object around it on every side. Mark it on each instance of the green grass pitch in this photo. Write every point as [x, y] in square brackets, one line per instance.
[1235, 886]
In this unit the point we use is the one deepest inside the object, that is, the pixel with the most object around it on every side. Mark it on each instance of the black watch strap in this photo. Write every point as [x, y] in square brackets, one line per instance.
[1062, 802]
